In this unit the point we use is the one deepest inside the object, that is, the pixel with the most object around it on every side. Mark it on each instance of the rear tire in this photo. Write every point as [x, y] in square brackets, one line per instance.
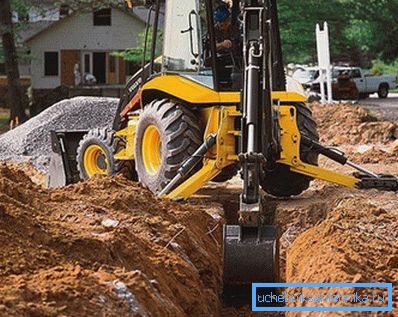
[281, 182]
[383, 91]
[95, 155]
[168, 133]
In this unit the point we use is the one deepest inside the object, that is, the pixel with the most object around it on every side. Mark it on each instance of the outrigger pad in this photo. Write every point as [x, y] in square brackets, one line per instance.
[250, 255]
[384, 182]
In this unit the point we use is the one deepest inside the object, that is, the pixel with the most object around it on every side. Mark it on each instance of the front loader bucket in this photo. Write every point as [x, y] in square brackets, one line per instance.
[250, 256]
[63, 166]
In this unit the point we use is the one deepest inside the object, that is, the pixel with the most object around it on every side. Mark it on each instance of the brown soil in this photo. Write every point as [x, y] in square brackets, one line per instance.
[358, 242]
[348, 124]
[374, 155]
[164, 259]
[394, 147]
[37, 177]
[58, 259]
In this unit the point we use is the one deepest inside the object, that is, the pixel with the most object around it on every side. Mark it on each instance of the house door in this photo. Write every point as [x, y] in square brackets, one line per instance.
[99, 67]
[69, 58]
[112, 69]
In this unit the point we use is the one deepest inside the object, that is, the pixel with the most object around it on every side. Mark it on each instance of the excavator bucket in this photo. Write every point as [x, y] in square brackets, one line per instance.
[63, 166]
[250, 256]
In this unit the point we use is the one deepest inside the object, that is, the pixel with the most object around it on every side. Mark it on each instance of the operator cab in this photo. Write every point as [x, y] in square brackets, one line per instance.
[190, 46]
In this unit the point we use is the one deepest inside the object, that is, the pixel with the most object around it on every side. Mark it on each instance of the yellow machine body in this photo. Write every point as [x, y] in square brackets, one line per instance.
[218, 111]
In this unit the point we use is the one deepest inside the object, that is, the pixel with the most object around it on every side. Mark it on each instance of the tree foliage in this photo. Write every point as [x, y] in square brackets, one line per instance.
[15, 102]
[136, 55]
[360, 30]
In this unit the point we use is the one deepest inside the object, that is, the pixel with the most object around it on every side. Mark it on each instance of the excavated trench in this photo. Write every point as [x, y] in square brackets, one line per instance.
[109, 248]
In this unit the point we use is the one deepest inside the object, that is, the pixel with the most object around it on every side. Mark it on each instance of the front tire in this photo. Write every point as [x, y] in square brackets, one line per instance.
[96, 155]
[281, 182]
[168, 133]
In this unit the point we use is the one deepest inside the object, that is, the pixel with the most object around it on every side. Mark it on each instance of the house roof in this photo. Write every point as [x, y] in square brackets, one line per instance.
[139, 13]
[34, 28]
[30, 30]
[142, 14]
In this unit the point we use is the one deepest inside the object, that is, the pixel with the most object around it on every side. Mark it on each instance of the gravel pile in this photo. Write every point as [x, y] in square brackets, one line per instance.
[31, 141]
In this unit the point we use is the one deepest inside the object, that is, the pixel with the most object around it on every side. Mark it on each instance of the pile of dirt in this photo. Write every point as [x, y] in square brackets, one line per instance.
[31, 140]
[394, 147]
[348, 124]
[104, 248]
[36, 176]
[296, 215]
[373, 155]
[107, 247]
[358, 242]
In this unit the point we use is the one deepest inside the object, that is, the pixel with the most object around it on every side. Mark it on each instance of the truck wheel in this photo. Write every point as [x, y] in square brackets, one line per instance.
[383, 91]
[95, 155]
[168, 133]
[281, 182]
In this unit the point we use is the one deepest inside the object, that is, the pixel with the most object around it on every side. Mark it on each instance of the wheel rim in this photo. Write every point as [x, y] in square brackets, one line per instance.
[151, 149]
[95, 161]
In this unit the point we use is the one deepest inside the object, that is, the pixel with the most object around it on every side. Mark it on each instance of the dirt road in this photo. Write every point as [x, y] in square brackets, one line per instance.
[387, 108]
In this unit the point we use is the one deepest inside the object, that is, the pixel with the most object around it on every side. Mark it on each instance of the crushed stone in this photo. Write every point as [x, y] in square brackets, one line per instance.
[31, 140]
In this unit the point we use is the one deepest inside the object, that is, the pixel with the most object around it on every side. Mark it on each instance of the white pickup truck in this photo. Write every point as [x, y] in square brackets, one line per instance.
[366, 83]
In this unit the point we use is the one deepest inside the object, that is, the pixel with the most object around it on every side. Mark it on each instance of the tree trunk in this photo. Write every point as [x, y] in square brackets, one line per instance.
[17, 113]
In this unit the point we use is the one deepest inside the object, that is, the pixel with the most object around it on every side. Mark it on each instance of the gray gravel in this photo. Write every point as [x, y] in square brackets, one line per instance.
[31, 141]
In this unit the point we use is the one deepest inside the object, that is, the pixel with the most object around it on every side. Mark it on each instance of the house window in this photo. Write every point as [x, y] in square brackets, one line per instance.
[87, 63]
[102, 17]
[51, 64]
[2, 68]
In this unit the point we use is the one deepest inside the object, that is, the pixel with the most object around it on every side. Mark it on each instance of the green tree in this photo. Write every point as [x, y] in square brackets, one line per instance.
[298, 20]
[136, 55]
[360, 30]
[381, 19]
[17, 113]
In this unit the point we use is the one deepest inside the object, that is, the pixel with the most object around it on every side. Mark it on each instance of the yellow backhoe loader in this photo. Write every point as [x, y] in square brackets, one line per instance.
[202, 114]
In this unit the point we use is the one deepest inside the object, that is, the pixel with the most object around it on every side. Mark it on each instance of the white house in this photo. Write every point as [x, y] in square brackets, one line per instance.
[83, 42]
[57, 46]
